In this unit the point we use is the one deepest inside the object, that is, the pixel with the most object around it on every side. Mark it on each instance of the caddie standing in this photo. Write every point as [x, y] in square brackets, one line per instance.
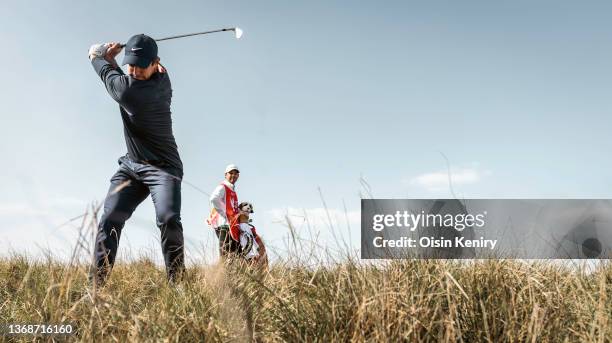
[152, 164]
[224, 213]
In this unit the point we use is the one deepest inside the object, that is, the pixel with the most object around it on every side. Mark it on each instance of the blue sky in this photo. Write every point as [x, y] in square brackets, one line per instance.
[515, 95]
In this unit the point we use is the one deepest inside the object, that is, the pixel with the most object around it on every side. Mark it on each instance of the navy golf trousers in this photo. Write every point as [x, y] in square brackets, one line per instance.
[130, 185]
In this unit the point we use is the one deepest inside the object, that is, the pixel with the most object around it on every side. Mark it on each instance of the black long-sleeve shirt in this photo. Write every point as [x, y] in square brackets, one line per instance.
[145, 110]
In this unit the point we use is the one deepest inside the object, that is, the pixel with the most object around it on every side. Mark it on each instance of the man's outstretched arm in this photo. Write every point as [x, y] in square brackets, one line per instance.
[102, 58]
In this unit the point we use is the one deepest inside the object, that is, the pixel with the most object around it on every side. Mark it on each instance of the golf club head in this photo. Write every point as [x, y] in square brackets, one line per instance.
[238, 32]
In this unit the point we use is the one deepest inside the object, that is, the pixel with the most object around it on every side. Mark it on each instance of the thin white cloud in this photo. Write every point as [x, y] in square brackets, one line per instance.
[20, 209]
[314, 227]
[315, 218]
[28, 226]
[439, 180]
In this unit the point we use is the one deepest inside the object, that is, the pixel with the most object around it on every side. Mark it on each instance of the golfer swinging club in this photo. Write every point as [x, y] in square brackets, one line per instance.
[152, 163]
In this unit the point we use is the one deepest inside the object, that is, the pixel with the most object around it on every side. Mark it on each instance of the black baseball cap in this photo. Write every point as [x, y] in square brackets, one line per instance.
[140, 50]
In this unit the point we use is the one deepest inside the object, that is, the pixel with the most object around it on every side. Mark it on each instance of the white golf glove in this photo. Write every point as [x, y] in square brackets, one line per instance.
[97, 50]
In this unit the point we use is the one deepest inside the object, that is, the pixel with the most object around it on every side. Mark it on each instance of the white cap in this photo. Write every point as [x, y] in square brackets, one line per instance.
[231, 167]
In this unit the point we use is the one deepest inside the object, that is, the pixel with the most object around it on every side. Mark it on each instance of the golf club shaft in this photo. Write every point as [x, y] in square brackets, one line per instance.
[190, 34]
[193, 34]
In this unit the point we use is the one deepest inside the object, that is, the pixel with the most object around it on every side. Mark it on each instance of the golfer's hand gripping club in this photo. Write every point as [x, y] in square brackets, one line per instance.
[113, 50]
[98, 50]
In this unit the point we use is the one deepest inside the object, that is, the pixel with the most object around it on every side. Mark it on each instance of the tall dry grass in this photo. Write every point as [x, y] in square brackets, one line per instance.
[339, 298]
[397, 301]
